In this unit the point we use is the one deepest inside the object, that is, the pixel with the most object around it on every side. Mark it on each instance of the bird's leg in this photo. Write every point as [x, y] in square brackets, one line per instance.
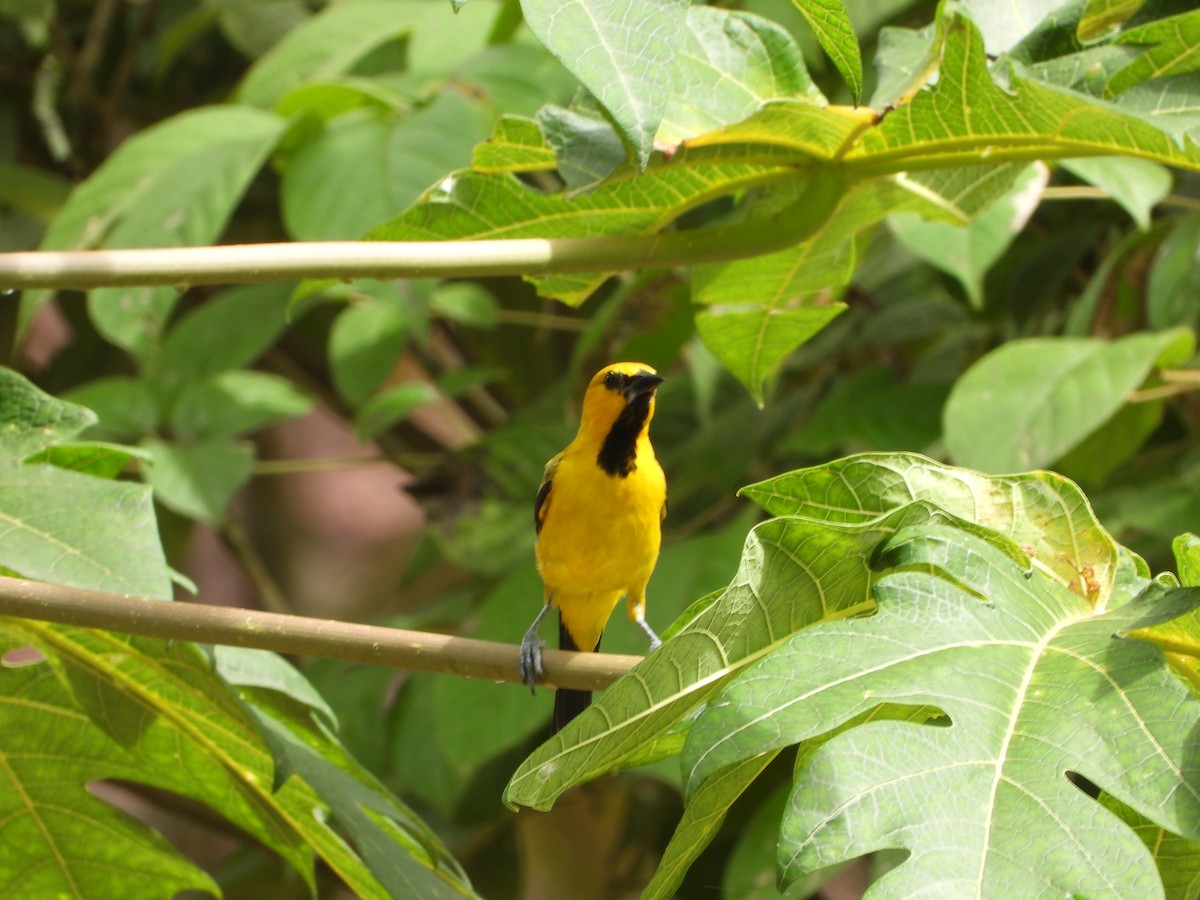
[655, 641]
[531, 652]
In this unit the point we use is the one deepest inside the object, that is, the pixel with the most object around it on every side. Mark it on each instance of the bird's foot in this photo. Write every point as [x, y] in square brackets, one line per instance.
[531, 659]
[655, 640]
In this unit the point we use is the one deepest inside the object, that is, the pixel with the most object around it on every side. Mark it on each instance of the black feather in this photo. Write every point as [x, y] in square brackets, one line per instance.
[568, 703]
[616, 456]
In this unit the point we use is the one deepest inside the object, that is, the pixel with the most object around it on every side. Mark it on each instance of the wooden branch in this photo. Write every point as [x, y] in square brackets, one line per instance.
[302, 635]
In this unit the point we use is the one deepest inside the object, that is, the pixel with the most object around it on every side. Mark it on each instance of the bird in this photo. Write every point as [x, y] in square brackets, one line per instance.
[598, 516]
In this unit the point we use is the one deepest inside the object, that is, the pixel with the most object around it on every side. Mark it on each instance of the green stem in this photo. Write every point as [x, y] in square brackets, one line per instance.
[1167, 644]
[185, 266]
[302, 636]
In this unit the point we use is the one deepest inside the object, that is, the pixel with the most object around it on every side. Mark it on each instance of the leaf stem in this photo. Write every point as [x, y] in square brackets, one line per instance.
[347, 260]
[301, 635]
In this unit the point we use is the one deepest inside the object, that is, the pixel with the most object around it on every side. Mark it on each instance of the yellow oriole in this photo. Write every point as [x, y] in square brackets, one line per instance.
[599, 517]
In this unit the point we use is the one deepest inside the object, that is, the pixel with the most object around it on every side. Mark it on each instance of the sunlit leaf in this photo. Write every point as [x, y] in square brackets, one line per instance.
[622, 51]
[1005, 653]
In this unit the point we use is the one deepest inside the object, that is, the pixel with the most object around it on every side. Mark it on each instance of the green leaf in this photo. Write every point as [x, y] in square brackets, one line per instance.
[702, 818]
[330, 43]
[127, 407]
[476, 206]
[1094, 459]
[322, 101]
[401, 854]
[245, 667]
[728, 63]
[31, 420]
[466, 302]
[751, 871]
[872, 410]
[1089, 72]
[363, 170]
[1100, 17]
[1007, 654]
[364, 346]
[1187, 559]
[150, 712]
[967, 252]
[1173, 104]
[516, 78]
[1173, 286]
[1030, 401]
[72, 529]
[1174, 50]
[34, 192]
[773, 594]
[752, 336]
[53, 750]
[198, 479]
[1005, 26]
[63, 526]
[254, 28]
[964, 116]
[1134, 183]
[516, 145]
[98, 460]
[226, 332]
[1177, 859]
[586, 146]
[622, 51]
[391, 406]
[234, 403]
[174, 184]
[905, 61]
[831, 24]
[752, 339]
[1040, 511]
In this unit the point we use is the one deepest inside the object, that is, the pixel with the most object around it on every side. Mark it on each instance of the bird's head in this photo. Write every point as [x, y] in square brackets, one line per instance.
[624, 389]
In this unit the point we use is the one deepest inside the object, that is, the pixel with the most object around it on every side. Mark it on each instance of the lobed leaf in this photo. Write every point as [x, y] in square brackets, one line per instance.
[151, 712]
[1009, 655]
[1044, 513]
[793, 572]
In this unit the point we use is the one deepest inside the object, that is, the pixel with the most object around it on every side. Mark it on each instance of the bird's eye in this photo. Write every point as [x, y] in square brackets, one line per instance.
[612, 381]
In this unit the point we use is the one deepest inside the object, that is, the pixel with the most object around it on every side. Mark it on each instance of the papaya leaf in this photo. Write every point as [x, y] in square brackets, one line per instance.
[793, 572]
[1036, 683]
[102, 706]
[1044, 513]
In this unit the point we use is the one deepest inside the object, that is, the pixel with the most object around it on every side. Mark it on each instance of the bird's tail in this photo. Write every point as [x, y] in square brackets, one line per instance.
[568, 703]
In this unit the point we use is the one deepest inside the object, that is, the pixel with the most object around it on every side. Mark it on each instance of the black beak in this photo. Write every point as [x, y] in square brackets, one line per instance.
[642, 383]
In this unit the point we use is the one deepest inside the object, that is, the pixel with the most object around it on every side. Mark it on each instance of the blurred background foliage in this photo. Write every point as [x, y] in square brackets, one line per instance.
[373, 453]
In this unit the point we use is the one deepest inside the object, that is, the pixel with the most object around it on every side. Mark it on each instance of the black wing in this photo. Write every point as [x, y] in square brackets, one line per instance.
[543, 495]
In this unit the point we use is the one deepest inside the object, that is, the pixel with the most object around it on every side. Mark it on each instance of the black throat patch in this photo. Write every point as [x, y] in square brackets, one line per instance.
[616, 456]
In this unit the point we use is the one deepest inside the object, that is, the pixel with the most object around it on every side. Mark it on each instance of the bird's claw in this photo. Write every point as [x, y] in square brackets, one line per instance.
[531, 660]
[655, 643]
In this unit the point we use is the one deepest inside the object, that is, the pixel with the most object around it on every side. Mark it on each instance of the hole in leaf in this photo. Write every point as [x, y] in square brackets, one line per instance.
[22, 656]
